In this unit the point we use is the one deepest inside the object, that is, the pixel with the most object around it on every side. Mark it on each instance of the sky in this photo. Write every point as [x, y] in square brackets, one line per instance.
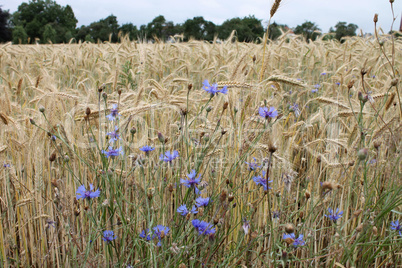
[325, 13]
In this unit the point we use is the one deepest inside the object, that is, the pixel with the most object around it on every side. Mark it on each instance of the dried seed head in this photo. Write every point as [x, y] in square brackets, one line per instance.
[254, 235]
[54, 183]
[119, 91]
[133, 130]
[208, 109]
[225, 105]
[351, 163]
[104, 95]
[289, 228]
[272, 148]
[350, 84]
[230, 197]
[375, 18]
[190, 86]
[360, 96]
[223, 131]
[329, 185]
[52, 157]
[182, 265]
[357, 212]
[307, 194]
[394, 82]
[77, 212]
[88, 111]
[42, 109]
[223, 195]
[359, 228]
[183, 112]
[377, 144]
[170, 187]
[101, 88]
[216, 221]
[363, 71]
[254, 58]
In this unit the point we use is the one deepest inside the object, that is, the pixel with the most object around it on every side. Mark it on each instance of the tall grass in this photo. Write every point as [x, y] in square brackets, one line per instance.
[336, 148]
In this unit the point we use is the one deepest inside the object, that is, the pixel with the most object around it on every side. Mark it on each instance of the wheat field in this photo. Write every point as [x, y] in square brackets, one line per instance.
[335, 143]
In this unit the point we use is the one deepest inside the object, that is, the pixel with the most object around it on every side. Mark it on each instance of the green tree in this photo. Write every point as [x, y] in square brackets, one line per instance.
[247, 29]
[19, 35]
[199, 29]
[101, 30]
[308, 29]
[342, 29]
[36, 14]
[130, 30]
[5, 30]
[275, 30]
[49, 34]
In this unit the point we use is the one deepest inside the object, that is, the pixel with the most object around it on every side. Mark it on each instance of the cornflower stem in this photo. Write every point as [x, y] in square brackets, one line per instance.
[99, 129]
[269, 201]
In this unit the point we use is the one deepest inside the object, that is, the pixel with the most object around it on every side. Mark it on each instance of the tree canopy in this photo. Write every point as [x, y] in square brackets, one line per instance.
[47, 21]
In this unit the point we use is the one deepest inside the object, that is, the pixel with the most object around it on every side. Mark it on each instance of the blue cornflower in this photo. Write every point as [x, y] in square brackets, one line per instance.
[161, 231]
[113, 152]
[114, 112]
[334, 216]
[114, 135]
[6, 165]
[291, 238]
[337, 83]
[184, 211]
[147, 149]
[295, 108]
[192, 180]
[265, 113]
[53, 138]
[316, 87]
[252, 166]
[246, 226]
[202, 202]
[396, 226]
[145, 234]
[203, 227]
[83, 193]
[260, 180]
[214, 88]
[169, 156]
[108, 236]
[323, 73]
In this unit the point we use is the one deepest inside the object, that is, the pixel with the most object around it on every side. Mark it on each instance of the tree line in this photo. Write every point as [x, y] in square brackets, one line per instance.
[44, 21]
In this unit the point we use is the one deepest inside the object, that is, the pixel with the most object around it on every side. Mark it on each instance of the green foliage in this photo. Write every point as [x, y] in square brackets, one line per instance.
[35, 15]
[342, 30]
[247, 29]
[49, 34]
[19, 35]
[5, 31]
[103, 30]
[130, 30]
[275, 30]
[199, 29]
[308, 29]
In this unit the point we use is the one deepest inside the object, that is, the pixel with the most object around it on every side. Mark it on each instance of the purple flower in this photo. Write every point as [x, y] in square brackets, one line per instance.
[192, 180]
[260, 180]
[108, 236]
[145, 234]
[83, 193]
[113, 152]
[324, 73]
[5, 165]
[146, 149]
[203, 227]
[295, 109]
[114, 135]
[169, 156]
[334, 216]
[296, 241]
[265, 113]
[202, 202]
[184, 211]
[316, 87]
[396, 226]
[337, 83]
[214, 88]
[253, 165]
[114, 112]
[160, 231]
